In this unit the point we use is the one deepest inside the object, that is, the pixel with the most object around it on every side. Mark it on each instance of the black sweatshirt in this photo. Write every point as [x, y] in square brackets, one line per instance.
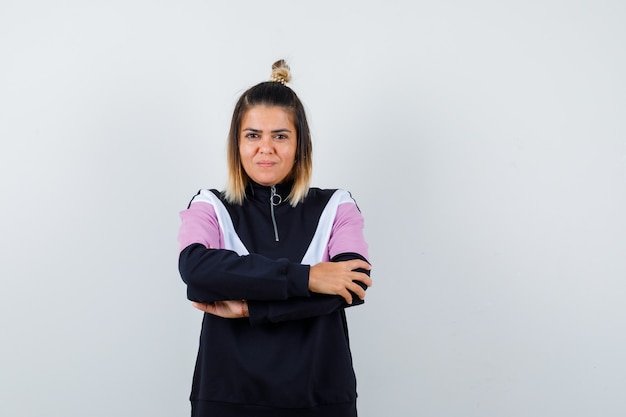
[292, 356]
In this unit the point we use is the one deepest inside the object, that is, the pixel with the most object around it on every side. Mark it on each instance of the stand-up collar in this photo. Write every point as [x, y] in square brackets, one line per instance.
[256, 191]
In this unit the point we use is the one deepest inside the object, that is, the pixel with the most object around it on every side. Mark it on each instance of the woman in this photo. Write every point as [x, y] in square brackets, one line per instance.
[273, 264]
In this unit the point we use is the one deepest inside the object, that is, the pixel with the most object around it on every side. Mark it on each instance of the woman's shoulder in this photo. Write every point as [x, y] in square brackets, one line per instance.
[315, 191]
[337, 195]
[208, 195]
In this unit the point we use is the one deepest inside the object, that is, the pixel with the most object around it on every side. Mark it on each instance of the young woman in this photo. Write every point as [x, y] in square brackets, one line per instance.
[273, 264]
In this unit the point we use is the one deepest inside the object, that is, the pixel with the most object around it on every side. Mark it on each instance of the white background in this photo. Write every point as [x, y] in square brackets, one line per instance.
[484, 141]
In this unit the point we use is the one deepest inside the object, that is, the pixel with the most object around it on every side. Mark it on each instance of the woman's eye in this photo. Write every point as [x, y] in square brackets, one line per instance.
[252, 136]
[281, 137]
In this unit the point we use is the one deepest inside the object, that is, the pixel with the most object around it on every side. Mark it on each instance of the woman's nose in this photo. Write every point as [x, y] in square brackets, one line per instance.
[266, 145]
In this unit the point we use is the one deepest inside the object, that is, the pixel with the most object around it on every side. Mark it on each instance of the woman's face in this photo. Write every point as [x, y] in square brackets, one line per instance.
[267, 144]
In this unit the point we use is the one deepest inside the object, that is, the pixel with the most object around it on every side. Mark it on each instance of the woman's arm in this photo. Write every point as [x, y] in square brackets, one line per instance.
[280, 290]
[345, 247]
[294, 308]
[219, 274]
[316, 305]
[300, 307]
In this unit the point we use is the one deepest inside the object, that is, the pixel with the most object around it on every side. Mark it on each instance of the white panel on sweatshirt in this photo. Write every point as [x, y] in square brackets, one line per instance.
[231, 238]
[317, 248]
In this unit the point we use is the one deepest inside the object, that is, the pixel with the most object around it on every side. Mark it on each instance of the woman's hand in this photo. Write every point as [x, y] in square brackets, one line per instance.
[338, 278]
[230, 309]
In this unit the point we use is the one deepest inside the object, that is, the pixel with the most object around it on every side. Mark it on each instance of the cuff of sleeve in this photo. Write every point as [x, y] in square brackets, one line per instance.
[298, 282]
[258, 312]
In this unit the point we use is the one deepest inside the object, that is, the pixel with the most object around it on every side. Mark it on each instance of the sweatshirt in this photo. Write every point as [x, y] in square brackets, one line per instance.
[291, 356]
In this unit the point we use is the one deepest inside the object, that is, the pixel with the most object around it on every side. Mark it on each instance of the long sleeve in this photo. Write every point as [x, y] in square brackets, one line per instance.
[220, 274]
[214, 274]
[302, 308]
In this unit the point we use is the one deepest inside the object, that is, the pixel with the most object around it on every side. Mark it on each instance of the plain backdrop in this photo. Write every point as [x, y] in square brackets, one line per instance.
[484, 141]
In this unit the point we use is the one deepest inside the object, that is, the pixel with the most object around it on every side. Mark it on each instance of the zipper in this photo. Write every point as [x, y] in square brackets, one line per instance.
[275, 199]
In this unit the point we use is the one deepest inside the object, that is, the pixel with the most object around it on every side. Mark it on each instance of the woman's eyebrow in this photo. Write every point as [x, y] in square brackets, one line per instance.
[253, 130]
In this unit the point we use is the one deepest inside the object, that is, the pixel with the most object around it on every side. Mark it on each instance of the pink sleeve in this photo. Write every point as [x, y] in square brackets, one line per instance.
[200, 225]
[347, 232]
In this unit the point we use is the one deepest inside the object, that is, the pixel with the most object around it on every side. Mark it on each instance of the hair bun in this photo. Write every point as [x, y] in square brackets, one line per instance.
[280, 72]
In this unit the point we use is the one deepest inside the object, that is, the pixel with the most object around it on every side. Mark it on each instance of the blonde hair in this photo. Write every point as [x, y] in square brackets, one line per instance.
[274, 93]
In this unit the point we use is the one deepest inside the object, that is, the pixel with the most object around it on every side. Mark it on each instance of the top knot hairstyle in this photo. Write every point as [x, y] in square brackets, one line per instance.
[281, 73]
[273, 93]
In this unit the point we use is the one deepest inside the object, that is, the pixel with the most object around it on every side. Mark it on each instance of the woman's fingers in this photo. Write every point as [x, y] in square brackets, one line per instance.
[358, 290]
[356, 264]
[205, 307]
[350, 290]
[199, 306]
[340, 278]
[361, 277]
[229, 309]
[347, 296]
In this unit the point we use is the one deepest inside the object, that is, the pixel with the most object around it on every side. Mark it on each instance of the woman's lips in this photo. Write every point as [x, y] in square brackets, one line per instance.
[266, 164]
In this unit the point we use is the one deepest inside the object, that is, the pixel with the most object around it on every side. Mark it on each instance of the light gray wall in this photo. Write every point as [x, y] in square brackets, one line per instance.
[484, 141]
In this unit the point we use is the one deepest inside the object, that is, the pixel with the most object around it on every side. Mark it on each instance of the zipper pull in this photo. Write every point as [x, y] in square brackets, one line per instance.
[275, 199]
